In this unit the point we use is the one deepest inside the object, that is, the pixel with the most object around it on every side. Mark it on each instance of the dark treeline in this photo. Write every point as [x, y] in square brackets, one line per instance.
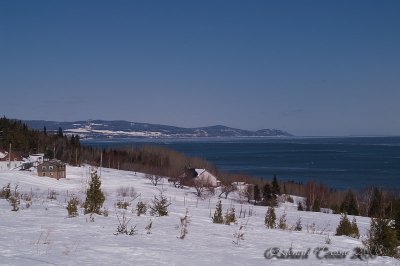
[147, 159]
[165, 162]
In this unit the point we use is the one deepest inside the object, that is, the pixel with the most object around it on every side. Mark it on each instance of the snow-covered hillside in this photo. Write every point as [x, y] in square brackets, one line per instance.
[42, 234]
[127, 129]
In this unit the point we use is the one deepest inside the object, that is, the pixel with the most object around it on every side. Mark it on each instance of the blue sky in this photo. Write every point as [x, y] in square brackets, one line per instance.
[308, 67]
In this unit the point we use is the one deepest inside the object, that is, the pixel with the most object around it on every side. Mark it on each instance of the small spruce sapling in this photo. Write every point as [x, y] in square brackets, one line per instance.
[282, 222]
[160, 206]
[217, 218]
[298, 226]
[94, 196]
[346, 228]
[270, 218]
[230, 217]
[141, 208]
[72, 207]
[300, 206]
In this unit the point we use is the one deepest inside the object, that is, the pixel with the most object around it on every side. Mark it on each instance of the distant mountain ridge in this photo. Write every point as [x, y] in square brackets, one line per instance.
[126, 129]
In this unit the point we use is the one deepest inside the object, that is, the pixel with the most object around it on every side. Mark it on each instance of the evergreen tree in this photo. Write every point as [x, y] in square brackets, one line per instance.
[354, 228]
[282, 222]
[275, 186]
[349, 204]
[218, 218]
[72, 206]
[160, 206]
[397, 224]
[316, 206]
[377, 204]
[230, 217]
[269, 198]
[94, 196]
[346, 228]
[300, 206]
[298, 226]
[60, 132]
[270, 218]
[308, 205]
[141, 208]
[382, 238]
[256, 195]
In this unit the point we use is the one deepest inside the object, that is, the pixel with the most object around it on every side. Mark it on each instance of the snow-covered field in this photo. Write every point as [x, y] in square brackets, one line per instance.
[43, 234]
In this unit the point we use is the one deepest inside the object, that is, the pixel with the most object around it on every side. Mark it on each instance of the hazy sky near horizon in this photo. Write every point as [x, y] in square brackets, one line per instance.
[308, 67]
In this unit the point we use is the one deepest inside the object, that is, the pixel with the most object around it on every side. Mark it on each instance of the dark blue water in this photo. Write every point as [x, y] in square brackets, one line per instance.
[337, 162]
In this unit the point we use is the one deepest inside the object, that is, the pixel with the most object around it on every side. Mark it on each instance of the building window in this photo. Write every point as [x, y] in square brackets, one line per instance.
[44, 167]
[50, 167]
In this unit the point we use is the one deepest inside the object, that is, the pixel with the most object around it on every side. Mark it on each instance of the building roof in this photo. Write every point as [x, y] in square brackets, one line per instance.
[199, 171]
[53, 162]
[14, 157]
[3, 152]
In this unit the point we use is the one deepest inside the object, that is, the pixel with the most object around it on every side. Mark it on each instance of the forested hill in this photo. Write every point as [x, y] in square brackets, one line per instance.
[124, 129]
[148, 159]
[29, 141]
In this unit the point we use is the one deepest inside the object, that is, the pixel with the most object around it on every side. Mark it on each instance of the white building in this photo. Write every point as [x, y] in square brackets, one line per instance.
[206, 178]
[10, 161]
[36, 159]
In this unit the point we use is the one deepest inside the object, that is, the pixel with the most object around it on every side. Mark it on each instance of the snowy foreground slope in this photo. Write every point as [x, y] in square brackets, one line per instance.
[42, 234]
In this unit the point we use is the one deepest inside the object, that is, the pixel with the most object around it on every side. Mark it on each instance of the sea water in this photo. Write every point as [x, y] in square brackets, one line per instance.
[341, 163]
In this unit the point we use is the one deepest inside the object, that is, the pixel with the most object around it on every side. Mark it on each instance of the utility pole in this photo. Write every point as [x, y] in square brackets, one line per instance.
[101, 161]
[9, 158]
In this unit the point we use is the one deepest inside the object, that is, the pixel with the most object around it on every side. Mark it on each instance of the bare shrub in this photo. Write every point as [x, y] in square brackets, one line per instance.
[5, 193]
[27, 198]
[328, 240]
[282, 221]
[202, 186]
[185, 220]
[121, 204]
[230, 216]
[311, 228]
[127, 192]
[239, 234]
[14, 200]
[51, 194]
[226, 189]
[122, 227]
[148, 227]
[154, 179]
[72, 206]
